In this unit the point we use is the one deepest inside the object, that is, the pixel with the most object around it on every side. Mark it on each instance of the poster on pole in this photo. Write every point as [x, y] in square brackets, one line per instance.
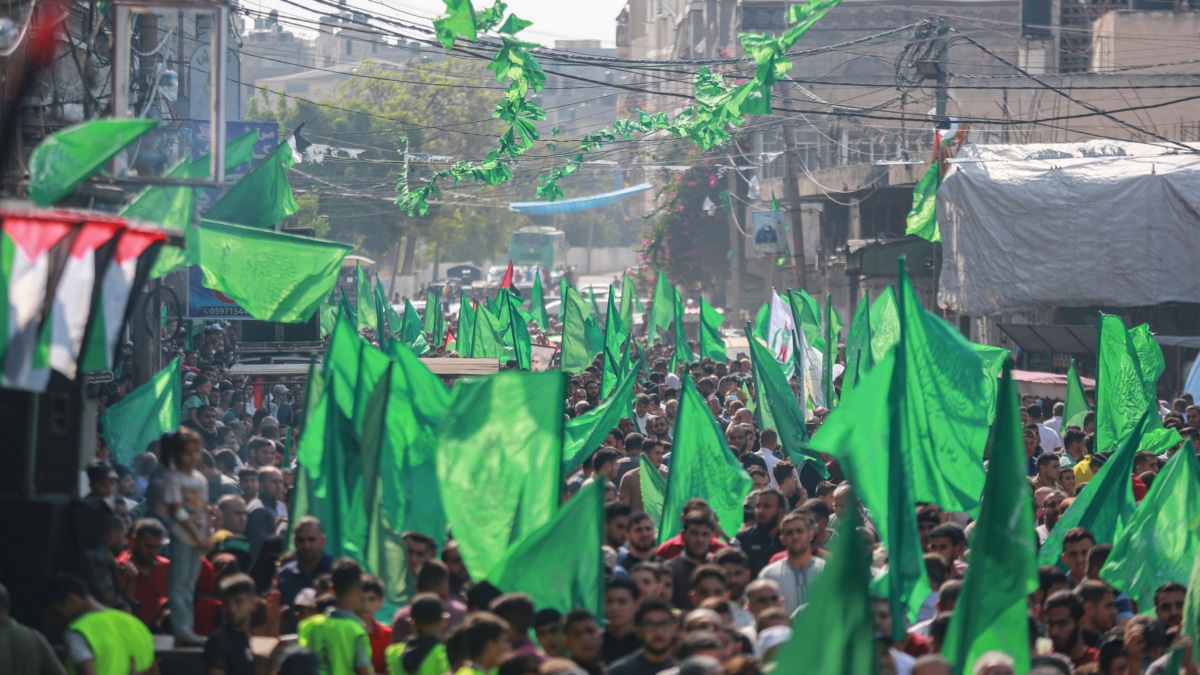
[770, 238]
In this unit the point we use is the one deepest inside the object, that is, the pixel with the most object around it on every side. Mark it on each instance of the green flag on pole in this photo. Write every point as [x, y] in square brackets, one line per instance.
[833, 329]
[576, 354]
[329, 312]
[499, 461]
[1122, 394]
[885, 324]
[1106, 506]
[144, 415]
[992, 609]
[654, 489]
[839, 610]
[662, 309]
[777, 406]
[1162, 537]
[381, 315]
[595, 336]
[486, 342]
[273, 276]
[858, 347]
[560, 564]
[628, 296]
[586, 433]
[365, 300]
[66, 158]
[411, 332]
[466, 324]
[702, 465]
[1075, 407]
[262, 198]
[432, 321]
[614, 338]
[515, 329]
[537, 303]
[922, 219]
[712, 345]
[683, 351]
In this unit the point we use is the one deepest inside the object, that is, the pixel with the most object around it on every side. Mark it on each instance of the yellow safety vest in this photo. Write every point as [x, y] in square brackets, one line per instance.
[333, 640]
[117, 640]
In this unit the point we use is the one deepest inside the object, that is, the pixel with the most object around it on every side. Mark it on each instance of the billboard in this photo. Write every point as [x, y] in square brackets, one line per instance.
[205, 303]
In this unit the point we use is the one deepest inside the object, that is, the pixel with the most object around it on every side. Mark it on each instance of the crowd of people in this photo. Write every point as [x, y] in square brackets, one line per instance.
[200, 547]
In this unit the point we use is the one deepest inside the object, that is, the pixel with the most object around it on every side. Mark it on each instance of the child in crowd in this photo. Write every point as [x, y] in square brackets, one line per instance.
[423, 654]
[380, 634]
[186, 497]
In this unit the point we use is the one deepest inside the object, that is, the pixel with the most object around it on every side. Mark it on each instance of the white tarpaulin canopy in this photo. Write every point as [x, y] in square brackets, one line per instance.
[1105, 223]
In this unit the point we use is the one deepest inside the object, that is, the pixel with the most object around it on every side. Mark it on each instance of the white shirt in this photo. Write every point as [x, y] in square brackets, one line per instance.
[795, 585]
[671, 379]
[1055, 424]
[1050, 440]
[904, 662]
[771, 460]
[641, 422]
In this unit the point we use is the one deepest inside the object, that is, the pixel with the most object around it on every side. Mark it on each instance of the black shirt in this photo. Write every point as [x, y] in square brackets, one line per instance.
[229, 650]
[617, 648]
[759, 545]
[636, 664]
[681, 568]
[628, 560]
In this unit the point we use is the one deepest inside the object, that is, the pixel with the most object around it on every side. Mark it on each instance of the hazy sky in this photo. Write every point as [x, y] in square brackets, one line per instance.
[552, 19]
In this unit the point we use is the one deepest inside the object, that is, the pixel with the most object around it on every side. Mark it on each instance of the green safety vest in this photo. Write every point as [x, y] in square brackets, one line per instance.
[117, 640]
[436, 662]
[333, 640]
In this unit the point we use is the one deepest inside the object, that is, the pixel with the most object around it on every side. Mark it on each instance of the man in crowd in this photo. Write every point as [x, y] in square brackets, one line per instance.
[657, 629]
[144, 580]
[1099, 612]
[263, 512]
[761, 541]
[434, 579]
[621, 598]
[98, 639]
[1062, 613]
[641, 539]
[22, 649]
[797, 573]
[308, 539]
[697, 538]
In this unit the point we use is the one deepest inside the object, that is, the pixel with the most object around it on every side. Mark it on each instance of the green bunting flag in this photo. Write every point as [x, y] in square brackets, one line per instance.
[262, 198]
[537, 303]
[459, 20]
[66, 158]
[858, 347]
[1106, 506]
[1075, 406]
[560, 564]
[712, 345]
[839, 610]
[654, 489]
[833, 329]
[576, 354]
[702, 465]
[662, 309]
[499, 461]
[365, 299]
[466, 324]
[778, 408]
[922, 219]
[586, 433]
[1162, 537]
[992, 609]
[144, 415]
[273, 276]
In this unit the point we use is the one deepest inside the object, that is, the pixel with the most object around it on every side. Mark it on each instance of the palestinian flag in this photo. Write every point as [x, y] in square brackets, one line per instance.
[507, 281]
[77, 289]
[26, 273]
[120, 278]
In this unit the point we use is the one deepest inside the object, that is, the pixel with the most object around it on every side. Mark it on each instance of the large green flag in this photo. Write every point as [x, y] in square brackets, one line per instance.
[1122, 394]
[662, 309]
[466, 324]
[560, 564]
[411, 332]
[432, 323]
[515, 329]
[762, 323]
[537, 303]
[807, 313]
[1075, 407]
[500, 455]
[356, 366]
[922, 219]
[595, 336]
[839, 610]
[273, 276]
[885, 324]
[992, 609]
[702, 465]
[144, 415]
[628, 297]
[614, 339]
[1107, 505]
[262, 198]
[417, 405]
[654, 489]
[583, 435]
[365, 301]
[1162, 537]
[486, 342]
[863, 432]
[833, 329]
[777, 406]
[576, 355]
[66, 158]
[712, 345]
[859, 359]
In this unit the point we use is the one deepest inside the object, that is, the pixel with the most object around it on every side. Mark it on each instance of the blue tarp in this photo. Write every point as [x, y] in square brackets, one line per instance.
[576, 204]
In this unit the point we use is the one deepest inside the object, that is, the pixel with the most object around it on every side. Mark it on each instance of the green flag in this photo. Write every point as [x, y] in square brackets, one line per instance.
[614, 338]
[858, 347]
[576, 355]
[410, 329]
[595, 336]
[702, 465]
[262, 198]
[683, 351]
[762, 323]
[347, 310]
[1162, 537]
[662, 309]
[1075, 407]
[433, 315]
[392, 318]
[516, 330]
[560, 564]
[144, 415]
[992, 609]
[356, 366]
[712, 345]
[628, 297]
[654, 489]
[329, 312]
[486, 342]
[1122, 394]
[807, 313]
[466, 324]
[922, 219]
[595, 305]
[382, 322]
[1106, 506]
[885, 324]
[777, 406]
[833, 329]
[66, 158]
[273, 276]
[586, 433]
[1191, 616]
[839, 610]
[499, 461]
[459, 20]
[537, 303]
[365, 300]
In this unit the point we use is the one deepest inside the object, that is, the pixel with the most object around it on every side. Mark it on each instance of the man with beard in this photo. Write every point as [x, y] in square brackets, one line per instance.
[642, 538]
[761, 541]
[658, 629]
[145, 580]
[1062, 612]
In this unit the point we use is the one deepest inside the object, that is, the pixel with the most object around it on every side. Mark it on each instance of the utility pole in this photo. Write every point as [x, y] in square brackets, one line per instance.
[735, 261]
[791, 192]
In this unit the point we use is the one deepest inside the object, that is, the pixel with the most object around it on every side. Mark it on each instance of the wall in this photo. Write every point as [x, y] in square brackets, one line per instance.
[603, 260]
